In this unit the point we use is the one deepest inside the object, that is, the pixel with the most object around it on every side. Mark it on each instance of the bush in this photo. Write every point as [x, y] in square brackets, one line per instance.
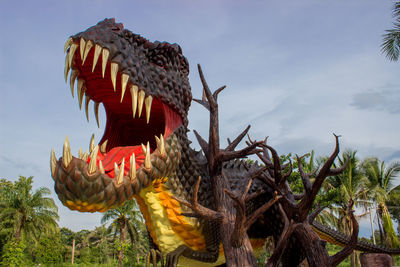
[13, 253]
[49, 249]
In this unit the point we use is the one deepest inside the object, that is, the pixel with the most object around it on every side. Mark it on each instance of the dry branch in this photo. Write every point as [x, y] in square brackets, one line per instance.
[197, 208]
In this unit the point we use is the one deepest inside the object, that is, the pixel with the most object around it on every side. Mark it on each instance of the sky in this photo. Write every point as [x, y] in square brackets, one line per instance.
[296, 71]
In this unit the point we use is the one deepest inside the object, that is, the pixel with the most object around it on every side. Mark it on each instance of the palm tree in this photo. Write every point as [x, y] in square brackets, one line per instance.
[99, 239]
[350, 184]
[125, 219]
[380, 187]
[347, 185]
[24, 213]
[391, 39]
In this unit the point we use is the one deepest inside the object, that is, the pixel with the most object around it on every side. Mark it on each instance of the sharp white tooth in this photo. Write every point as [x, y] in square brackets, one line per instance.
[114, 71]
[157, 141]
[134, 92]
[147, 161]
[66, 68]
[116, 170]
[85, 156]
[101, 167]
[143, 149]
[93, 160]
[81, 96]
[71, 53]
[140, 101]
[103, 147]
[67, 156]
[91, 144]
[124, 81]
[132, 170]
[120, 177]
[82, 46]
[72, 78]
[88, 46]
[161, 148]
[105, 55]
[80, 154]
[97, 51]
[160, 145]
[96, 112]
[147, 102]
[80, 91]
[53, 163]
[87, 100]
[68, 43]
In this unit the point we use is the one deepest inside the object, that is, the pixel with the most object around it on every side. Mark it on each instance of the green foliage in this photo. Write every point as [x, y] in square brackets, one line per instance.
[23, 212]
[391, 39]
[29, 233]
[13, 253]
[49, 249]
[393, 205]
[67, 236]
[5, 227]
[127, 219]
[391, 236]
[380, 184]
[350, 184]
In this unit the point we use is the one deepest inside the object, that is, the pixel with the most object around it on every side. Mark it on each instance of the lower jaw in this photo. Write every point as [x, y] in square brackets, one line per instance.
[79, 190]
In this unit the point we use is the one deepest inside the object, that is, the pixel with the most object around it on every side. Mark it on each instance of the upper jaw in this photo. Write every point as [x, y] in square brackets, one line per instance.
[103, 81]
[88, 60]
[134, 56]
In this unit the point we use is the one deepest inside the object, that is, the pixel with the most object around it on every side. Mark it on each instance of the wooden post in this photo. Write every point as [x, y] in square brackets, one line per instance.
[73, 251]
[376, 259]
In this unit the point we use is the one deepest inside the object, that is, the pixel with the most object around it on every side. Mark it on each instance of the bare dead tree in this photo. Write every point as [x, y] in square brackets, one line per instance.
[230, 209]
[296, 208]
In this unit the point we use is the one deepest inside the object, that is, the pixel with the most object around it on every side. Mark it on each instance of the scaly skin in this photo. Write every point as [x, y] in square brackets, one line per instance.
[123, 70]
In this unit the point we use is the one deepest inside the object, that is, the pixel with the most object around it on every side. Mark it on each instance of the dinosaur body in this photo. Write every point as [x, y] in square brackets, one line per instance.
[145, 153]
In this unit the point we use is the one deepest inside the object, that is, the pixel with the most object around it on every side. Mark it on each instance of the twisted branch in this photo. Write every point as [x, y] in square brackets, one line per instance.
[197, 208]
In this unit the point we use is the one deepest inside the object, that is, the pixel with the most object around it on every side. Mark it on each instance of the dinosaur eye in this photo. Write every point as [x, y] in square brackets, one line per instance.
[116, 29]
[160, 61]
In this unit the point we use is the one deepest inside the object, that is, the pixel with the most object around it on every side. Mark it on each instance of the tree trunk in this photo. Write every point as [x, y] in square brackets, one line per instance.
[380, 226]
[372, 226]
[314, 248]
[352, 260]
[73, 251]
[235, 257]
[20, 225]
[122, 233]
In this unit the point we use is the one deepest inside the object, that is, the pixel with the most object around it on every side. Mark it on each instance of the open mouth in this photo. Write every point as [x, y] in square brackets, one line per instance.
[138, 136]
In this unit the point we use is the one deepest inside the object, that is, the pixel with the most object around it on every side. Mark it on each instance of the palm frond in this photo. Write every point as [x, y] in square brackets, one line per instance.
[391, 43]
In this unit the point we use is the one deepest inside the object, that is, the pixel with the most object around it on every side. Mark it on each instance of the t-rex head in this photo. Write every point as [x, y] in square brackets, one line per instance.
[123, 71]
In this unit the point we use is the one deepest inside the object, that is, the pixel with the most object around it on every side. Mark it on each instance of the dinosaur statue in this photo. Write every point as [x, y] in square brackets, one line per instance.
[145, 153]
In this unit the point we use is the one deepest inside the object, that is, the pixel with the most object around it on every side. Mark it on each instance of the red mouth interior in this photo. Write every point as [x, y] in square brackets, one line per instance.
[124, 133]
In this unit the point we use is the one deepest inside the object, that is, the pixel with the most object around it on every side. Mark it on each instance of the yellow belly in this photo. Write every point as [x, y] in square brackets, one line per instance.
[169, 229]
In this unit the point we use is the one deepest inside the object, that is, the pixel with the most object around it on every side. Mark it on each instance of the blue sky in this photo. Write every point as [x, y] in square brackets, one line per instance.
[297, 71]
